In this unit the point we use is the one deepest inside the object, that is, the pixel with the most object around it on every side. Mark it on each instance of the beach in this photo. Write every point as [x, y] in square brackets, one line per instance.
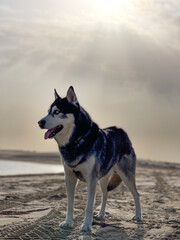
[32, 206]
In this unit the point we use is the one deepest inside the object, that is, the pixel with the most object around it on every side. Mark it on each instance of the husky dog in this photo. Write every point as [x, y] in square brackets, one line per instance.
[89, 154]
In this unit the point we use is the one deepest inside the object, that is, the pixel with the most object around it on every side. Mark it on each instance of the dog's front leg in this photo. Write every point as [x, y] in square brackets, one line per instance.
[71, 181]
[87, 224]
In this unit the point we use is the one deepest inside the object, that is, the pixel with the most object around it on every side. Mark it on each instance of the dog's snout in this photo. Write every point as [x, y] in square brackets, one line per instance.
[41, 123]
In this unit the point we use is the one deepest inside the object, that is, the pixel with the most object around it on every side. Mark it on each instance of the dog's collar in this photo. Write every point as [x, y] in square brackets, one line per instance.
[76, 142]
[80, 140]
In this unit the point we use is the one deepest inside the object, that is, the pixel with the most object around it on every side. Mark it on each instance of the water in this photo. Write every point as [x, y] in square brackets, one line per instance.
[8, 167]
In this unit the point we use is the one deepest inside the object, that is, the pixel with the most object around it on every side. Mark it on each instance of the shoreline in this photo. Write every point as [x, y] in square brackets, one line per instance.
[30, 156]
[55, 158]
[32, 175]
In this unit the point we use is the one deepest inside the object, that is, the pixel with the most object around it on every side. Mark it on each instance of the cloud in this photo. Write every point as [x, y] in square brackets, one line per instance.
[117, 57]
[126, 72]
[6, 10]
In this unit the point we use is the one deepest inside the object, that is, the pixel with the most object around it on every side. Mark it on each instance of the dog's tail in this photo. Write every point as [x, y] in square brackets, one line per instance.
[114, 181]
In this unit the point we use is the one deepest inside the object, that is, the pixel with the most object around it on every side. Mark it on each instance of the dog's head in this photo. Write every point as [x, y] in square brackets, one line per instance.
[61, 117]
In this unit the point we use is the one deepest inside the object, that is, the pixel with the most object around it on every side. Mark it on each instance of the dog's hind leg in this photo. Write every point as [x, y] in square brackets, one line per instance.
[103, 185]
[128, 176]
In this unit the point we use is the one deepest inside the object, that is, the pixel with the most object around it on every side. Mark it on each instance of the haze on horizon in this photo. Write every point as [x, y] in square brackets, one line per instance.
[122, 57]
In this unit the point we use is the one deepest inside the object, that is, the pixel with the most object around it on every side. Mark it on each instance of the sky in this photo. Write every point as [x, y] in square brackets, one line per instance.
[121, 56]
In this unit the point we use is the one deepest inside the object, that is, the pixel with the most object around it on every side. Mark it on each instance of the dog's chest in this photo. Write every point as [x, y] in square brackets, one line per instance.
[84, 170]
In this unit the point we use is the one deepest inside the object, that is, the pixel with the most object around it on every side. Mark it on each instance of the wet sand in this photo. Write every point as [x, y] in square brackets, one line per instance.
[31, 207]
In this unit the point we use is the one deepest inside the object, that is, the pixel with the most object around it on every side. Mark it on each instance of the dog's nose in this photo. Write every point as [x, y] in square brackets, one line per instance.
[41, 123]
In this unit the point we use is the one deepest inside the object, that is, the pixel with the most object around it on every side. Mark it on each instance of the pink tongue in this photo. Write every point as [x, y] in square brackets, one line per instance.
[48, 133]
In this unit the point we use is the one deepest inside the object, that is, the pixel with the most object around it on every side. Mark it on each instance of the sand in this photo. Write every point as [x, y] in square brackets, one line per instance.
[31, 207]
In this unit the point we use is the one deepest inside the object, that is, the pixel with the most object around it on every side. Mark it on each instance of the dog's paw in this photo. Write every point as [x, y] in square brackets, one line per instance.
[137, 218]
[85, 228]
[99, 216]
[66, 225]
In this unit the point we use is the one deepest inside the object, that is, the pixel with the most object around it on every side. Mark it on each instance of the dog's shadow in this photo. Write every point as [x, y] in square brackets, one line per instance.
[106, 231]
[110, 231]
[119, 231]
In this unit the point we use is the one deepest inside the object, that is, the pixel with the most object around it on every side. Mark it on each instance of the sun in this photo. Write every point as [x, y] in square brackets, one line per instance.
[114, 7]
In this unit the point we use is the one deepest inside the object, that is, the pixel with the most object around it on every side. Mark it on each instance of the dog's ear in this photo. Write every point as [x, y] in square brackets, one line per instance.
[56, 94]
[71, 96]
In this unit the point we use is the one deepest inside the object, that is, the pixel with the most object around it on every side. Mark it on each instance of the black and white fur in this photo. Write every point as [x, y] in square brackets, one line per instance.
[90, 154]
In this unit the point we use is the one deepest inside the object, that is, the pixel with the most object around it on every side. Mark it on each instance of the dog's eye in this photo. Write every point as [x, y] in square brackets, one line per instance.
[56, 112]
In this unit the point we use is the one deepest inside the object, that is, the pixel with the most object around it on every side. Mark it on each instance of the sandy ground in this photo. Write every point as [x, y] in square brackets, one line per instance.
[31, 207]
